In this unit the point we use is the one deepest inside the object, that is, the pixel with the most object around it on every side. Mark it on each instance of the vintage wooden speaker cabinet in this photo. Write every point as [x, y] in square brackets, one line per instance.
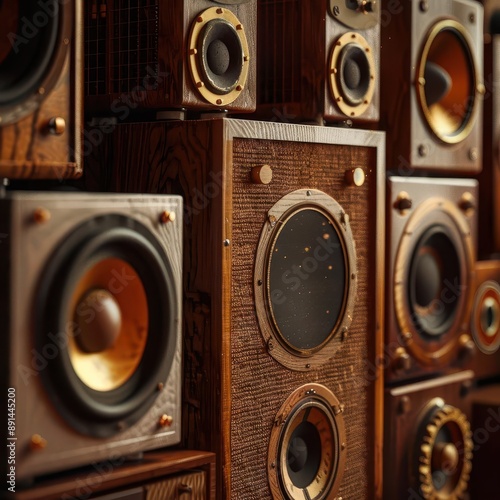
[283, 295]
[159, 56]
[90, 301]
[319, 60]
[41, 89]
[431, 97]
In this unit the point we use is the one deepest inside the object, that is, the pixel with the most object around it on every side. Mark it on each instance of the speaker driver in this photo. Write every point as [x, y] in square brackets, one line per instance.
[108, 297]
[218, 56]
[447, 82]
[444, 452]
[432, 280]
[352, 74]
[305, 278]
[307, 446]
[486, 317]
[33, 48]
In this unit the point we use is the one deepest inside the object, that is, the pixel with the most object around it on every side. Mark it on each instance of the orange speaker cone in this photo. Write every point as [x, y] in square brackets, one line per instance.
[110, 313]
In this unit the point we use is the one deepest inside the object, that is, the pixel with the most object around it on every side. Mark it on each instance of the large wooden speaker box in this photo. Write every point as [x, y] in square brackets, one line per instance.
[430, 454]
[319, 60]
[283, 288]
[40, 89]
[159, 56]
[431, 101]
[431, 231]
[90, 301]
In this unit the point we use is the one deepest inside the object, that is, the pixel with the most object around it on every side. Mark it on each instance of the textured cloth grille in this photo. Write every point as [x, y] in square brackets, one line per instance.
[259, 384]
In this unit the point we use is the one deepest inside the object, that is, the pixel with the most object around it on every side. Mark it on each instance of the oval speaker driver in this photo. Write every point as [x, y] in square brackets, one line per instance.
[305, 279]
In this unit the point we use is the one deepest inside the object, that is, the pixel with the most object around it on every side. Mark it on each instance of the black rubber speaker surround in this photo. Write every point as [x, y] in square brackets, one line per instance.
[435, 281]
[105, 413]
[32, 51]
[221, 56]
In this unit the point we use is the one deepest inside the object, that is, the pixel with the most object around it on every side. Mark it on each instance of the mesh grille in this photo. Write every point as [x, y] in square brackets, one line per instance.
[279, 33]
[95, 46]
[259, 384]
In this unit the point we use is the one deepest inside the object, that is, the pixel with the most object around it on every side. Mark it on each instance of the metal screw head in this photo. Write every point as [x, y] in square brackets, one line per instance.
[423, 150]
[37, 442]
[424, 5]
[472, 18]
[41, 215]
[166, 217]
[336, 10]
[226, 242]
[57, 125]
[404, 405]
[165, 420]
[473, 154]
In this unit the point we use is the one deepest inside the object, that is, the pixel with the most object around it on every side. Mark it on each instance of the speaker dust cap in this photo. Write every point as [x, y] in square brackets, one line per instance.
[442, 458]
[447, 82]
[307, 447]
[432, 281]
[34, 43]
[305, 279]
[218, 56]
[108, 297]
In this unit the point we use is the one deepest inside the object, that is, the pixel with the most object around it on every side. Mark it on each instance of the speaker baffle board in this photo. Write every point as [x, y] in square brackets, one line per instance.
[91, 301]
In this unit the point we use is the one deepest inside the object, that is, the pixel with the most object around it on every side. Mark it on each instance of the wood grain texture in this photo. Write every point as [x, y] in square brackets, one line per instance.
[405, 29]
[165, 82]
[149, 474]
[233, 388]
[27, 148]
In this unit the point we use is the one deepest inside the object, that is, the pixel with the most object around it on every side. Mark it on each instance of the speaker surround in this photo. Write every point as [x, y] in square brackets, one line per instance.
[256, 192]
[432, 107]
[93, 326]
[40, 90]
[197, 55]
[432, 226]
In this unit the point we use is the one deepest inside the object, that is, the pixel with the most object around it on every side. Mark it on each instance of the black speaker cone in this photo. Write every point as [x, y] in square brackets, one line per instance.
[221, 56]
[28, 45]
[435, 282]
[118, 256]
[354, 74]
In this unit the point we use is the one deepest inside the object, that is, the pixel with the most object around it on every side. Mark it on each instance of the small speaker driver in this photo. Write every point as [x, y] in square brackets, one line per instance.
[485, 320]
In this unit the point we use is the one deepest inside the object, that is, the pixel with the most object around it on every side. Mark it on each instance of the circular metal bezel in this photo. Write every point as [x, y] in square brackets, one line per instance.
[29, 95]
[435, 416]
[351, 110]
[465, 41]
[279, 349]
[331, 429]
[487, 342]
[433, 212]
[196, 66]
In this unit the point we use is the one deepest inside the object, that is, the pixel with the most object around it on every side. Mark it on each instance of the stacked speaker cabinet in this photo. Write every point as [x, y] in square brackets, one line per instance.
[431, 101]
[159, 56]
[90, 301]
[40, 89]
[431, 229]
[283, 296]
[319, 60]
[429, 432]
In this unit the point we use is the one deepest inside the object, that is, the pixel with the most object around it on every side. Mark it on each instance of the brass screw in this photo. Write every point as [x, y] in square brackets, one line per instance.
[41, 215]
[165, 420]
[57, 125]
[38, 442]
[167, 217]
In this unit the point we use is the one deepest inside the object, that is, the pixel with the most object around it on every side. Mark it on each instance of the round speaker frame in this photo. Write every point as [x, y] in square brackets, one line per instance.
[335, 88]
[277, 347]
[434, 416]
[199, 23]
[463, 133]
[478, 332]
[18, 110]
[429, 213]
[303, 396]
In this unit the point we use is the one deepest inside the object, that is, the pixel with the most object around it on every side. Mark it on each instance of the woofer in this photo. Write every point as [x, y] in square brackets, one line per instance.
[305, 278]
[443, 452]
[307, 446]
[447, 81]
[33, 48]
[352, 74]
[218, 55]
[108, 296]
